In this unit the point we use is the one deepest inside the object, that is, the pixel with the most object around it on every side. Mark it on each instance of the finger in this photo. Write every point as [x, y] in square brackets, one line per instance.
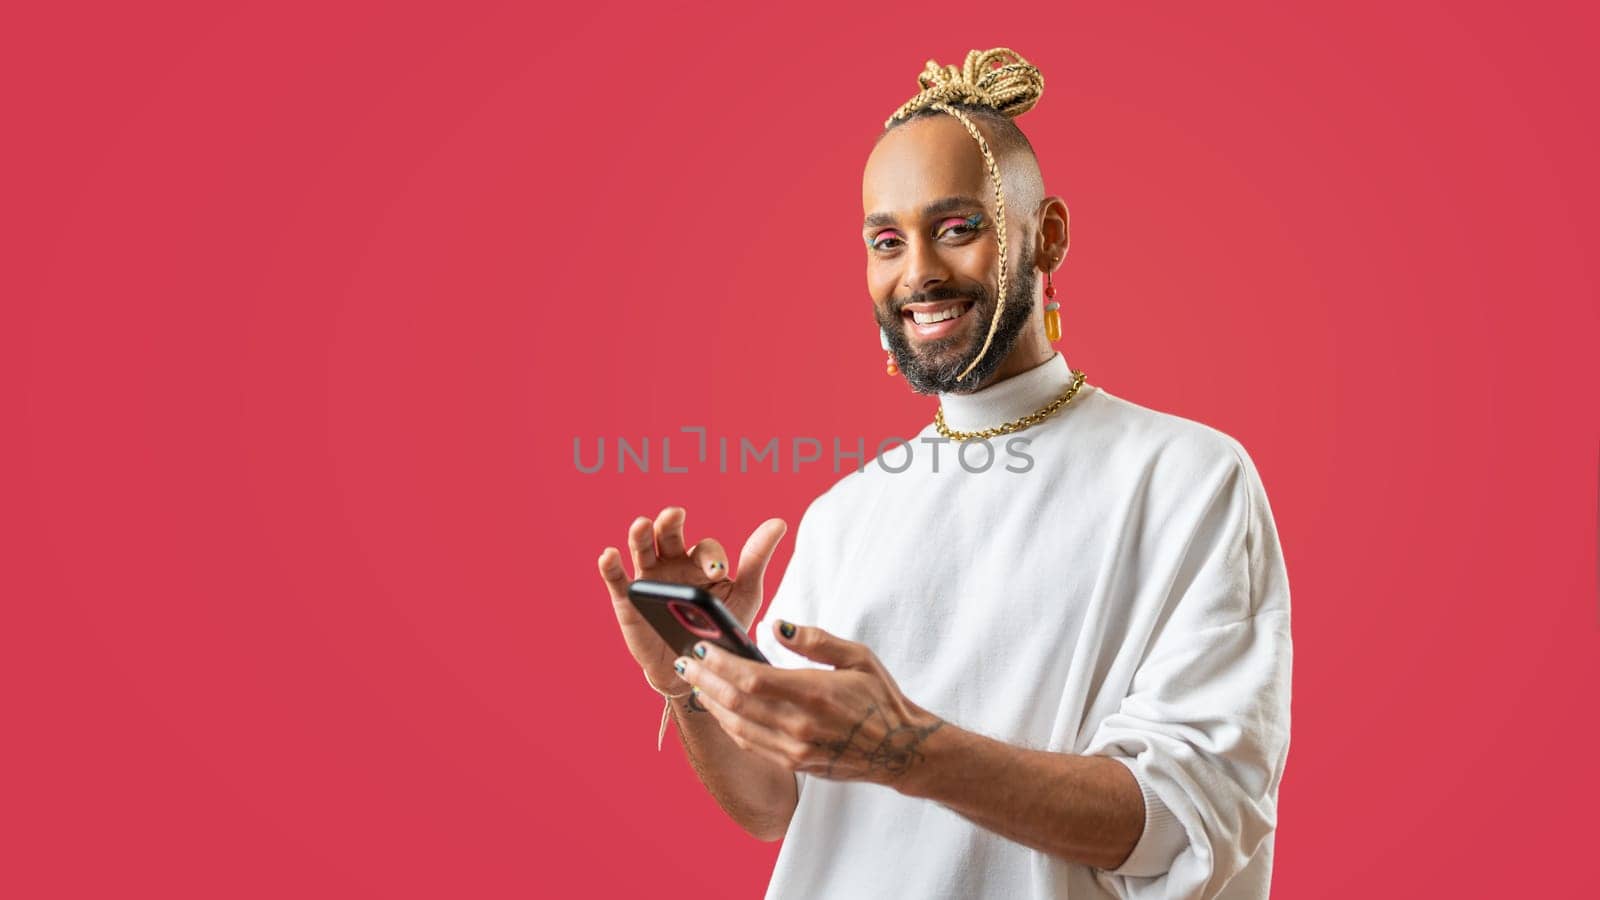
[755, 737]
[669, 532]
[642, 544]
[611, 571]
[814, 643]
[710, 558]
[786, 691]
[758, 551]
[731, 687]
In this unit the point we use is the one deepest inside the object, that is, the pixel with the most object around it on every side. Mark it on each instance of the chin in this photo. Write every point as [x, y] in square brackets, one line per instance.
[946, 349]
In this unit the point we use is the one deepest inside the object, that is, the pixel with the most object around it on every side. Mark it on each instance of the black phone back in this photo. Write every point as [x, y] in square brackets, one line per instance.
[684, 615]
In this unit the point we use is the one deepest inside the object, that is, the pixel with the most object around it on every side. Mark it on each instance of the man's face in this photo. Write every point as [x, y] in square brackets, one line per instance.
[932, 256]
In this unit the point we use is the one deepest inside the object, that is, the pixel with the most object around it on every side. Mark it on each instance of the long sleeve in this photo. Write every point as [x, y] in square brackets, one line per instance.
[796, 599]
[1204, 727]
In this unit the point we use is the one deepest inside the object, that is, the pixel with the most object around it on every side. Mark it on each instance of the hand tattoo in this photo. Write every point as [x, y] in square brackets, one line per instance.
[693, 704]
[894, 753]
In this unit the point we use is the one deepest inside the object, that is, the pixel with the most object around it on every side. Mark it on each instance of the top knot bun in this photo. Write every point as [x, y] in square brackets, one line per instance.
[998, 78]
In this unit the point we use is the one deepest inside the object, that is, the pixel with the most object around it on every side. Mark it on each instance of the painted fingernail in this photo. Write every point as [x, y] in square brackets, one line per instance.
[679, 665]
[786, 628]
[700, 650]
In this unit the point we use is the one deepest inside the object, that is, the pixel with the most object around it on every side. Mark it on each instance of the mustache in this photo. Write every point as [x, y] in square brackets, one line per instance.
[976, 295]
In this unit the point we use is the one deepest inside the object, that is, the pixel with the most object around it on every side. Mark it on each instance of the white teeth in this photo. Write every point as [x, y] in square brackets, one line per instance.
[949, 312]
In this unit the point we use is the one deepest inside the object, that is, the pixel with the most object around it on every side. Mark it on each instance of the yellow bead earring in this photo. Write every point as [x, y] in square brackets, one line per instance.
[1052, 310]
[883, 340]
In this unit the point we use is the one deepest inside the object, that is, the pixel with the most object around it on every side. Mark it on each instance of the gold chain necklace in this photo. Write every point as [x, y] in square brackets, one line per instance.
[1032, 418]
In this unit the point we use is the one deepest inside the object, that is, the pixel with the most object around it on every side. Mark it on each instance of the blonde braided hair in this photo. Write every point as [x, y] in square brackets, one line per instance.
[1010, 90]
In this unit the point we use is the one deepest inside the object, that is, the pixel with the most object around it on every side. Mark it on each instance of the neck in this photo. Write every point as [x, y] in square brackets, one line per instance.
[1004, 399]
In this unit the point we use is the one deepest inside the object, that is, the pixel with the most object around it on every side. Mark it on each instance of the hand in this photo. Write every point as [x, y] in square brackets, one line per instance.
[659, 554]
[851, 723]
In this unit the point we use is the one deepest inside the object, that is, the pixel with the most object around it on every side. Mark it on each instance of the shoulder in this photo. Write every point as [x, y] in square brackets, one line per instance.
[866, 478]
[837, 499]
[1151, 437]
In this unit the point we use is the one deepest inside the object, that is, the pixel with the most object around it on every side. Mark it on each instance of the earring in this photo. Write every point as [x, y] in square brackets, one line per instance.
[1052, 314]
[883, 340]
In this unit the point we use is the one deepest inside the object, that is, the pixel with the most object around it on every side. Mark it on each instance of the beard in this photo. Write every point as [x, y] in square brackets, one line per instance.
[931, 366]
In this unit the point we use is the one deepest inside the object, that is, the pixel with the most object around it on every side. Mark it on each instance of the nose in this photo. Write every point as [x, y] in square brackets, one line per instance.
[925, 268]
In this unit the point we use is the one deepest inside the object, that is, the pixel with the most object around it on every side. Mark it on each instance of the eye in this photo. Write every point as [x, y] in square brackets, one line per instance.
[963, 226]
[881, 242]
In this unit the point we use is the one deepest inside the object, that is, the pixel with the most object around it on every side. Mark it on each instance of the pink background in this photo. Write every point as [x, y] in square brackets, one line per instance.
[304, 307]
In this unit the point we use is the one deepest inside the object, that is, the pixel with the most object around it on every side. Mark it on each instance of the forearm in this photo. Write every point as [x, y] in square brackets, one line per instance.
[755, 792]
[1085, 809]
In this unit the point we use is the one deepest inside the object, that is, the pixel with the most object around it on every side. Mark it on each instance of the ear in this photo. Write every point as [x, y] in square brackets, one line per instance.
[1055, 233]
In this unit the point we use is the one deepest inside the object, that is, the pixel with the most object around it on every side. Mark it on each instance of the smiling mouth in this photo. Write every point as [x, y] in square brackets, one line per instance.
[954, 311]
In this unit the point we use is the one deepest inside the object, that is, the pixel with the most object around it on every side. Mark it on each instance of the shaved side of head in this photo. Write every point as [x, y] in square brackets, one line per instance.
[1013, 153]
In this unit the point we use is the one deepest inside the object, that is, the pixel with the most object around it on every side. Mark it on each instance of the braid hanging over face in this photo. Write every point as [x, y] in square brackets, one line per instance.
[998, 79]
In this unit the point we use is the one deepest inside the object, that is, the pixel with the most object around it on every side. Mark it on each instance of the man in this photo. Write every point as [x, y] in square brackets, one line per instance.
[1066, 677]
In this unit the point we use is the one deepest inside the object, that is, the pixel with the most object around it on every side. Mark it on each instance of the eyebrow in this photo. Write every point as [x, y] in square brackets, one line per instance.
[943, 205]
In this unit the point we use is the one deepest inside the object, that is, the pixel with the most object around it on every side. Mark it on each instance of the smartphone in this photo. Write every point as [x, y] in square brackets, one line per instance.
[684, 615]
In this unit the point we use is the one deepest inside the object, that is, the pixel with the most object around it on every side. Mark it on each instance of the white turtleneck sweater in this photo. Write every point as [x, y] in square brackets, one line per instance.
[1124, 596]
